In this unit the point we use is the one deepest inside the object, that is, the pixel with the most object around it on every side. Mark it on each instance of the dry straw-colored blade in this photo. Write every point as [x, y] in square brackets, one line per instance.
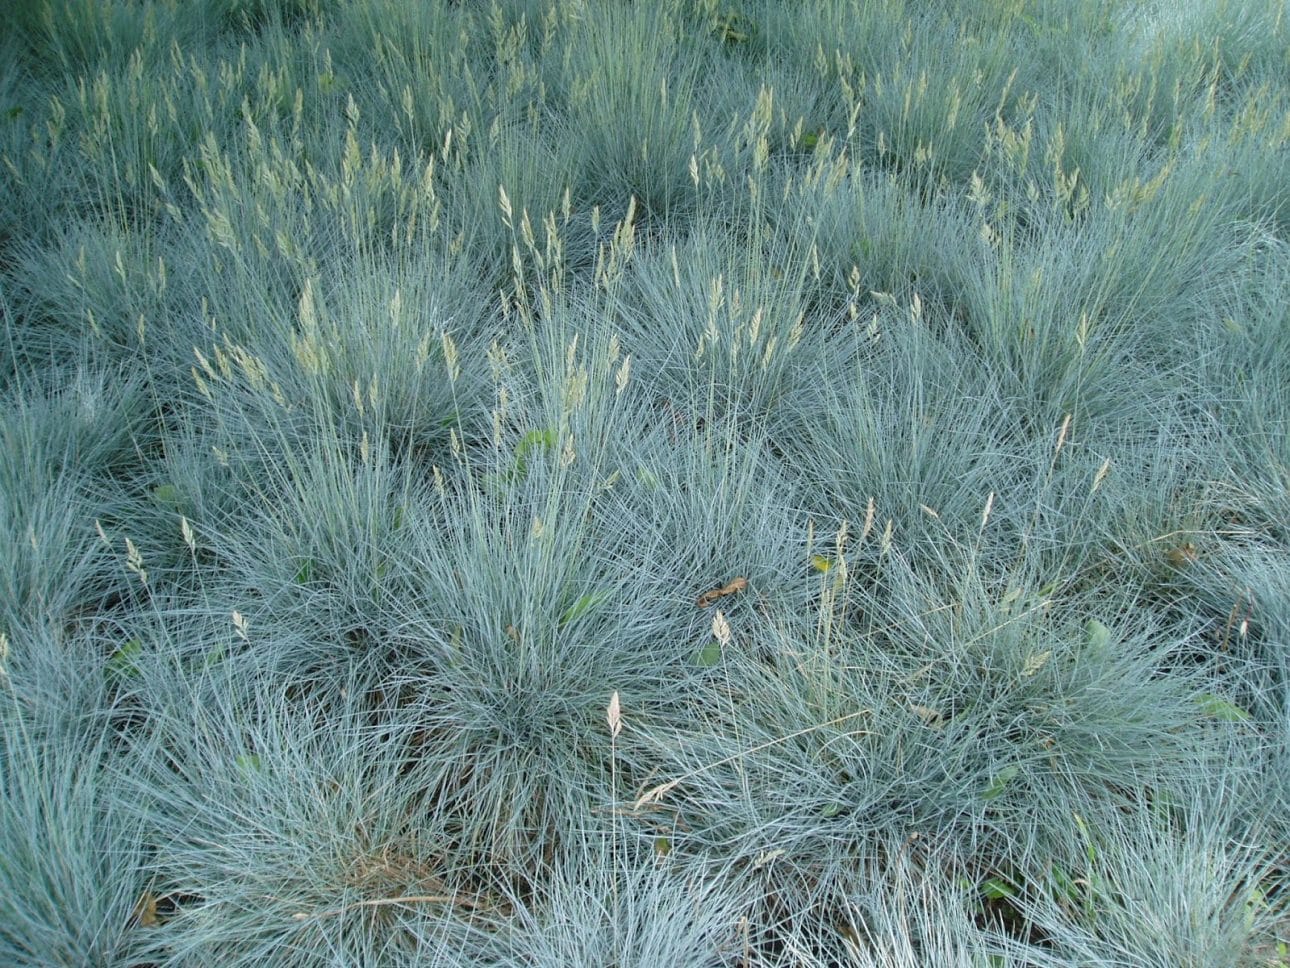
[615, 716]
[721, 629]
[655, 794]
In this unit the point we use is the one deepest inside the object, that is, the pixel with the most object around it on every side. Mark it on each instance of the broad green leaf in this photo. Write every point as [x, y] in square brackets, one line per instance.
[997, 889]
[709, 655]
[1256, 902]
[214, 657]
[1064, 884]
[1000, 783]
[167, 495]
[582, 606]
[544, 439]
[1222, 709]
[1164, 805]
[250, 762]
[1090, 848]
[497, 484]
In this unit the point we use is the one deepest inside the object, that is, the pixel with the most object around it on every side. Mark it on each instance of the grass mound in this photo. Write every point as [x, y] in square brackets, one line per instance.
[547, 482]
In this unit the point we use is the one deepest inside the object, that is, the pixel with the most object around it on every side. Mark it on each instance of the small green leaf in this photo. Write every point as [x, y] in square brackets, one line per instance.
[122, 663]
[1222, 709]
[662, 846]
[582, 606]
[1000, 783]
[810, 140]
[709, 655]
[304, 572]
[646, 477]
[14, 113]
[831, 809]
[820, 563]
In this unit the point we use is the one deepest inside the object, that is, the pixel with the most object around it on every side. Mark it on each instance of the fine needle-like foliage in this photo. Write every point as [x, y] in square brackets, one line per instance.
[697, 483]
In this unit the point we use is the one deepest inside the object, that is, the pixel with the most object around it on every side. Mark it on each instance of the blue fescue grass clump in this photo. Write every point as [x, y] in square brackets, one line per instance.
[689, 483]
